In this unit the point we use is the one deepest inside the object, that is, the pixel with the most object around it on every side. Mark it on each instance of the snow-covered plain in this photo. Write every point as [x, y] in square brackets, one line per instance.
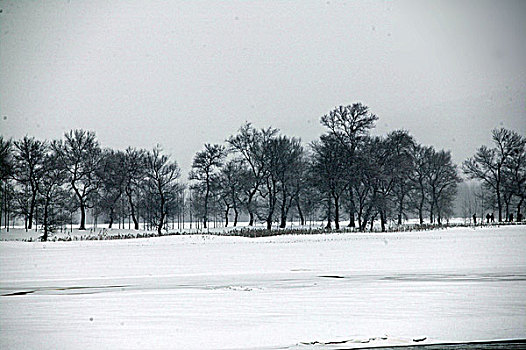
[295, 292]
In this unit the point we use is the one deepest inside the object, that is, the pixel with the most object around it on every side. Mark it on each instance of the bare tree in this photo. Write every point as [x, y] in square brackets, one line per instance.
[488, 164]
[290, 167]
[79, 154]
[421, 156]
[232, 190]
[28, 159]
[349, 124]
[112, 174]
[53, 178]
[330, 167]
[442, 180]
[134, 170]
[161, 185]
[249, 144]
[400, 144]
[515, 176]
[205, 170]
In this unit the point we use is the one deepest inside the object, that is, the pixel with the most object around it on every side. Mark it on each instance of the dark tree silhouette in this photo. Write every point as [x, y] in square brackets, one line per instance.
[330, 167]
[249, 143]
[79, 155]
[53, 177]
[205, 170]
[112, 174]
[28, 160]
[161, 185]
[134, 169]
[488, 164]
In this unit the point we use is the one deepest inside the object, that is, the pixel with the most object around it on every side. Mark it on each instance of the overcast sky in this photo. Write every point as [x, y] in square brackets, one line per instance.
[185, 73]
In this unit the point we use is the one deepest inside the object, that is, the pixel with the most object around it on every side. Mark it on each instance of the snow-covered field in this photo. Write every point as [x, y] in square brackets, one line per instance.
[199, 291]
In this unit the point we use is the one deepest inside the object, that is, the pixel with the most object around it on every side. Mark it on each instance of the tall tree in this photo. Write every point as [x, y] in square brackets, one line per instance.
[421, 156]
[289, 170]
[330, 167]
[515, 176]
[232, 191]
[28, 157]
[383, 154]
[442, 180]
[6, 161]
[249, 143]
[53, 177]
[488, 164]
[350, 125]
[134, 171]
[400, 144]
[79, 155]
[205, 170]
[161, 185]
[113, 181]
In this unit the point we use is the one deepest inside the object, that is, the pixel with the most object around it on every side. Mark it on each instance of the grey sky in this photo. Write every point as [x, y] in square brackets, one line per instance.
[185, 73]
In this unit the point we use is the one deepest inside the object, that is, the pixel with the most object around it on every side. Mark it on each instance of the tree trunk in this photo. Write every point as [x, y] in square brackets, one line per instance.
[352, 210]
[46, 229]
[82, 216]
[132, 209]
[111, 218]
[31, 210]
[382, 220]
[431, 212]
[82, 207]
[283, 221]
[205, 218]
[400, 209]
[235, 216]
[519, 209]
[161, 213]
[499, 202]
[250, 209]
[421, 208]
[329, 207]
[336, 212]
[300, 213]
[226, 215]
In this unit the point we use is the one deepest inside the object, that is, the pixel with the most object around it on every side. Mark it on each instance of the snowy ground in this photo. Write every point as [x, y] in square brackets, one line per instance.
[202, 292]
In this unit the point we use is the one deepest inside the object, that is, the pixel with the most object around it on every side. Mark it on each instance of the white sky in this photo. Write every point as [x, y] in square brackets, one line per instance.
[185, 73]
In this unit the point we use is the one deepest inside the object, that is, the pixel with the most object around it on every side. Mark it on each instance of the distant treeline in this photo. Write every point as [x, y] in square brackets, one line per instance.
[345, 175]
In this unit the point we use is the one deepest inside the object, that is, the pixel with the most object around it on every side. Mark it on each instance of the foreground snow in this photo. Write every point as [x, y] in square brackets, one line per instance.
[322, 291]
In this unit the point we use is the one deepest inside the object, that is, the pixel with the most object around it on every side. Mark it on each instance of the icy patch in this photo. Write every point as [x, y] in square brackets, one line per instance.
[360, 342]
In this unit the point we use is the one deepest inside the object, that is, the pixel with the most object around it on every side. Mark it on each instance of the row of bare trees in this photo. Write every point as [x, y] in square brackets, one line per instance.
[66, 176]
[258, 174]
[271, 176]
